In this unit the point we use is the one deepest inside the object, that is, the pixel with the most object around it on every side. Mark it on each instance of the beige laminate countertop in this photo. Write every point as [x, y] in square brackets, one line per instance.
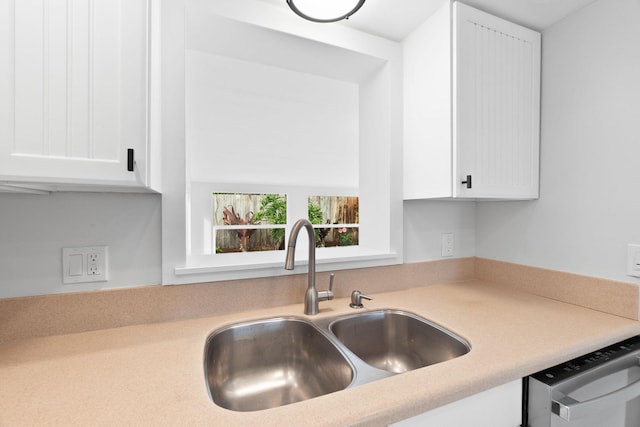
[153, 375]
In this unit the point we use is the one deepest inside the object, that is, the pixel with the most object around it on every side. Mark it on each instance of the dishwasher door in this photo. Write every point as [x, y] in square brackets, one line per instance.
[588, 394]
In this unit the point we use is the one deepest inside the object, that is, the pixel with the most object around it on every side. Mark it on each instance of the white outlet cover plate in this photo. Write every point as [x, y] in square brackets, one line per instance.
[71, 269]
[633, 260]
[447, 245]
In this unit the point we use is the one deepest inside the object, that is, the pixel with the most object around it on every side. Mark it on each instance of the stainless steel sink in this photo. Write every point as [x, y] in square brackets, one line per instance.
[267, 363]
[274, 362]
[397, 341]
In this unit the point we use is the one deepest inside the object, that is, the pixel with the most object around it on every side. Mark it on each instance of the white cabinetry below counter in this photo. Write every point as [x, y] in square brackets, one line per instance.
[76, 94]
[497, 407]
[472, 101]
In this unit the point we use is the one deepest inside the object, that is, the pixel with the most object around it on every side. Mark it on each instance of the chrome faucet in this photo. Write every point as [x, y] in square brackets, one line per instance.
[312, 296]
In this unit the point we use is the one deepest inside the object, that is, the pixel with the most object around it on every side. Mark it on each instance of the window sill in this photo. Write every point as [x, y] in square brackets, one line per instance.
[202, 269]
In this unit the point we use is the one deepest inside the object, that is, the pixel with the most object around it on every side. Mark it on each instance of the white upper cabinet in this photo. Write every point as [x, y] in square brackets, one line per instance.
[76, 93]
[472, 107]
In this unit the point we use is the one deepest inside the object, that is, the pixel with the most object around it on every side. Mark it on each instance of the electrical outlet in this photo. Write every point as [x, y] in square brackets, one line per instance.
[83, 265]
[93, 264]
[447, 244]
[633, 260]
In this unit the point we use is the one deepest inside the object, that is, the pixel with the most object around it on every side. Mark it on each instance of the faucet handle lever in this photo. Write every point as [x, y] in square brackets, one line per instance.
[327, 294]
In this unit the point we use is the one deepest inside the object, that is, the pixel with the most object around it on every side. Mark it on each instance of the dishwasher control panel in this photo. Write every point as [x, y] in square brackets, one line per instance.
[564, 370]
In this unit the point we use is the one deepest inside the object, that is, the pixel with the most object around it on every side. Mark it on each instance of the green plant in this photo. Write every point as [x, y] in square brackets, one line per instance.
[344, 237]
[273, 210]
[315, 214]
[315, 217]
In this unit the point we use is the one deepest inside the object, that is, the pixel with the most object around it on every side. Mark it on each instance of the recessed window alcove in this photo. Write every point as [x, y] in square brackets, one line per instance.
[295, 109]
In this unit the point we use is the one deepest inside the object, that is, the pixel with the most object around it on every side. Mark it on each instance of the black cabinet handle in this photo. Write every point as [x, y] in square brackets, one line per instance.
[468, 181]
[130, 159]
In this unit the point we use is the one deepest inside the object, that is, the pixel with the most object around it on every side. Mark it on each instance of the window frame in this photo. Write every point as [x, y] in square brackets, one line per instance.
[206, 260]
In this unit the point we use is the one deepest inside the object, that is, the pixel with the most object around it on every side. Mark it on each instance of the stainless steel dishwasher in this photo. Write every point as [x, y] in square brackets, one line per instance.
[599, 389]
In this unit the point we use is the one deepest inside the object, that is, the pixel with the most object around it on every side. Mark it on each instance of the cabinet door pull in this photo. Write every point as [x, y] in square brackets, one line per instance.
[468, 181]
[130, 159]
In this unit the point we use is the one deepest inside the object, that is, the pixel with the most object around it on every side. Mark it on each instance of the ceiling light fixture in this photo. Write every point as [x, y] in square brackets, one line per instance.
[325, 10]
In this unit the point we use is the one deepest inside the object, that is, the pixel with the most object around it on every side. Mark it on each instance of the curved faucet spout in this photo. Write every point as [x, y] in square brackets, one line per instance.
[289, 263]
[312, 296]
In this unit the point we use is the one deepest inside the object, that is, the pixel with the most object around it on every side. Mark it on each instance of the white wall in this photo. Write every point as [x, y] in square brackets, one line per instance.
[35, 228]
[426, 220]
[589, 206]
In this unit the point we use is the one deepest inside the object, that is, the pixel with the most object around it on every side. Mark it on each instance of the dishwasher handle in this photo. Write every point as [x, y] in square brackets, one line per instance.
[570, 409]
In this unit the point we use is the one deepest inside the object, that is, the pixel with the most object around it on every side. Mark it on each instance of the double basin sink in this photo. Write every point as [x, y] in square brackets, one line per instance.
[272, 362]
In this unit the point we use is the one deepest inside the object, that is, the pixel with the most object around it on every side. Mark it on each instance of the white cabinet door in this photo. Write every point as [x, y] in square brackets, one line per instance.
[496, 101]
[74, 91]
[472, 101]
[427, 156]
[498, 407]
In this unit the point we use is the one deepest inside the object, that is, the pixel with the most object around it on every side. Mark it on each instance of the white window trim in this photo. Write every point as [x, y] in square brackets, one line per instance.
[328, 261]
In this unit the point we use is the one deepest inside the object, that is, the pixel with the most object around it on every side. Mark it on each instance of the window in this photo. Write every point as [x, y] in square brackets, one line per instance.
[248, 222]
[335, 220]
[247, 225]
